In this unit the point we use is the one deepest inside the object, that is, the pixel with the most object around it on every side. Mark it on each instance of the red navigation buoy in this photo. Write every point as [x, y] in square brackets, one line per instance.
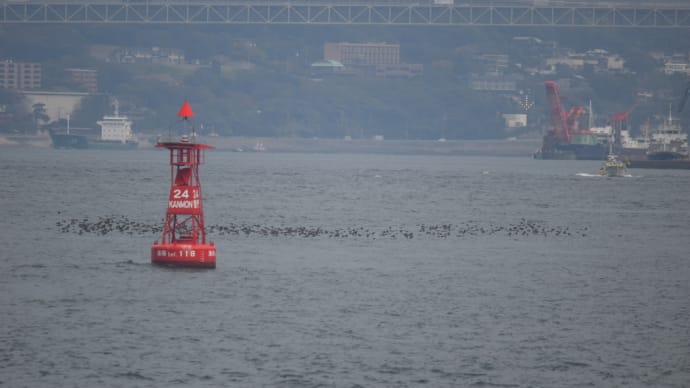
[184, 235]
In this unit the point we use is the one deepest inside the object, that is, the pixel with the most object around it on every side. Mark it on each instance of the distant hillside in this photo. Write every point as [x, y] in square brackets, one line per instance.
[268, 88]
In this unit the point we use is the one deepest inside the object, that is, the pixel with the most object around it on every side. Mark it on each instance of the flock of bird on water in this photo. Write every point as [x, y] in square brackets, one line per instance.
[523, 228]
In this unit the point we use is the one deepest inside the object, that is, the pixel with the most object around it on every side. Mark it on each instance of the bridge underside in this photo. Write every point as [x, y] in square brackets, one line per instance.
[342, 14]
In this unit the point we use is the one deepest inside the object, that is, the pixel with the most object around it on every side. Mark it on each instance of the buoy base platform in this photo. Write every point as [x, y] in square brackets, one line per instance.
[184, 255]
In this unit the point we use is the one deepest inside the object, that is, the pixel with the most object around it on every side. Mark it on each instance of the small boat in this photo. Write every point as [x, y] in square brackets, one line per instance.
[613, 167]
[259, 147]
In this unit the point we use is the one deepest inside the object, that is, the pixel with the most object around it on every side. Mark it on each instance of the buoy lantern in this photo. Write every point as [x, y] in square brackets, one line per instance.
[183, 242]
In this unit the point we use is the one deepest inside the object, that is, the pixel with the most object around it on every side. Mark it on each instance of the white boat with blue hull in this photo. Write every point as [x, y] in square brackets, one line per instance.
[116, 134]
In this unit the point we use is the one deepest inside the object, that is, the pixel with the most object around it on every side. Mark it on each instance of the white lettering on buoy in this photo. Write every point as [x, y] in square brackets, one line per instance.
[193, 204]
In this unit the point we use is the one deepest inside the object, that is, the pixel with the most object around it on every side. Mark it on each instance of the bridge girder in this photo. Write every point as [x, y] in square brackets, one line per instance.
[343, 13]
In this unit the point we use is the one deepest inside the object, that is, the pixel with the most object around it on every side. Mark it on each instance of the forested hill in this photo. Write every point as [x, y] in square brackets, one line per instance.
[257, 80]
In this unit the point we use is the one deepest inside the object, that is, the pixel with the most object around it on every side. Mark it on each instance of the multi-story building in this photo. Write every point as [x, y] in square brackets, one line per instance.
[598, 59]
[362, 53]
[379, 59]
[155, 54]
[20, 75]
[615, 62]
[676, 63]
[407, 70]
[673, 67]
[88, 78]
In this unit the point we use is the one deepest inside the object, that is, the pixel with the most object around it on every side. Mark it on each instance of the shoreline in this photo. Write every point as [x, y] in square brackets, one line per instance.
[499, 147]
[519, 147]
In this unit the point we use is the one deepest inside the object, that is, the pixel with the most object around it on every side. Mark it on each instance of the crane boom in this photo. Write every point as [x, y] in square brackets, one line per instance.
[559, 125]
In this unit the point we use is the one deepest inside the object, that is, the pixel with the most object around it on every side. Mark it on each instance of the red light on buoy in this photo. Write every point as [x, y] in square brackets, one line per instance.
[185, 111]
[184, 235]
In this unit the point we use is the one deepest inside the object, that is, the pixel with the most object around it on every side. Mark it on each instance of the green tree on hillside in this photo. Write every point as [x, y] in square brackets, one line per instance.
[15, 115]
[39, 114]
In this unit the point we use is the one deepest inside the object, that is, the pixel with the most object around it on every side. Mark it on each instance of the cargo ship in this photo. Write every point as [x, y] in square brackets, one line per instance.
[667, 147]
[668, 141]
[633, 148]
[116, 134]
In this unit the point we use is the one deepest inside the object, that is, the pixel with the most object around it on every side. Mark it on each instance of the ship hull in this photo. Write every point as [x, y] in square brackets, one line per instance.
[72, 141]
[68, 140]
[575, 152]
[112, 145]
[674, 164]
[555, 155]
[633, 153]
[615, 171]
[665, 155]
[587, 151]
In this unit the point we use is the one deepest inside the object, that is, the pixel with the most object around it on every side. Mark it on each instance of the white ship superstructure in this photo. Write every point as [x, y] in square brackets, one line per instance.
[668, 141]
[115, 127]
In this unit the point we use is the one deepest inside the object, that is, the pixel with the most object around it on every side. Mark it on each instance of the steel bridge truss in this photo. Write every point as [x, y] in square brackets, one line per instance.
[343, 14]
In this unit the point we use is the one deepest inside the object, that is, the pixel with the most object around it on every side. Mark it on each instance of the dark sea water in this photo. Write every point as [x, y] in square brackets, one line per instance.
[345, 271]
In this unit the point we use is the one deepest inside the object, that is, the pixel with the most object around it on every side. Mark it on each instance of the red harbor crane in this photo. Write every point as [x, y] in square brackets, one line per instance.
[564, 138]
[563, 124]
